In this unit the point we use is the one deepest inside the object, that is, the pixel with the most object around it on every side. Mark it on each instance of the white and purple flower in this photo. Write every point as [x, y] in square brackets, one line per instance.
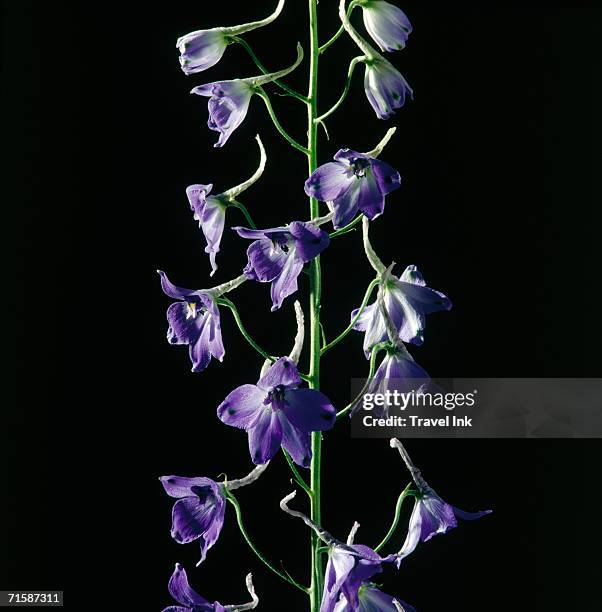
[229, 100]
[194, 320]
[353, 182]
[407, 301]
[275, 413]
[210, 212]
[199, 512]
[372, 599]
[385, 87]
[387, 24]
[349, 566]
[203, 49]
[191, 601]
[397, 372]
[431, 515]
[278, 254]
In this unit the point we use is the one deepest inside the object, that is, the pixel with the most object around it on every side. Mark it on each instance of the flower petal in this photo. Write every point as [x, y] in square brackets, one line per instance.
[470, 516]
[191, 518]
[180, 486]
[265, 436]
[437, 517]
[282, 372]
[266, 259]
[309, 240]
[329, 181]
[295, 441]
[340, 563]
[200, 351]
[181, 591]
[309, 410]
[183, 328]
[285, 283]
[242, 406]
[178, 293]
[387, 178]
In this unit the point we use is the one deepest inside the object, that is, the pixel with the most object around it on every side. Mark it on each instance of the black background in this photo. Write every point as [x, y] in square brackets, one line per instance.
[499, 209]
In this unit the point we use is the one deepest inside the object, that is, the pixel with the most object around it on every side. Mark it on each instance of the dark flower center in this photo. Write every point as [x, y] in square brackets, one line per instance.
[359, 166]
[276, 396]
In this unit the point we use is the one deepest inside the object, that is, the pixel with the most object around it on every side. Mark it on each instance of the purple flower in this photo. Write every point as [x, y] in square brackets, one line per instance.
[354, 181]
[201, 49]
[431, 515]
[385, 87]
[407, 300]
[349, 566]
[194, 320]
[204, 48]
[228, 105]
[275, 413]
[397, 372]
[199, 512]
[387, 24]
[229, 100]
[278, 254]
[191, 601]
[371, 599]
[210, 212]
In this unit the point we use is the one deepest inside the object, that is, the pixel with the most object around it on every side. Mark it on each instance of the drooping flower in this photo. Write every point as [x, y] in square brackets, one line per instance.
[199, 512]
[349, 566]
[191, 601]
[278, 254]
[275, 412]
[229, 100]
[210, 212]
[397, 372]
[385, 87]
[431, 515]
[372, 599]
[407, 300]
[194, 320]
[387, 24]
[202, 49]
[354, 181]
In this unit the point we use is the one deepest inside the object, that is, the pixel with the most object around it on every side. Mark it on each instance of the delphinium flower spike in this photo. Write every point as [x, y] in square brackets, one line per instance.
[354, 182]
[349, 566]
[210, 210]
[276, 412]
[191, 601]
[431, 515]
[198, 515]
[202, 49]
[229, 100]
[385, 87]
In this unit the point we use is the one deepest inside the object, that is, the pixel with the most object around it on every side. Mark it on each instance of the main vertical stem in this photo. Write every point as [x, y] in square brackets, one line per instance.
[317, 579]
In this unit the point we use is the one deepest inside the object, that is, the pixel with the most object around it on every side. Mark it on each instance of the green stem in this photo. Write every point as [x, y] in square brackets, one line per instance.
[285, 576]
[317, 575]
[243, 209]
[339, 31]
[373, 354]
[268, 103]
[395, 522]
[349, 227]
[289, 90]
[300, 480]
[226, 302]
[363, 305]
[354, 62]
